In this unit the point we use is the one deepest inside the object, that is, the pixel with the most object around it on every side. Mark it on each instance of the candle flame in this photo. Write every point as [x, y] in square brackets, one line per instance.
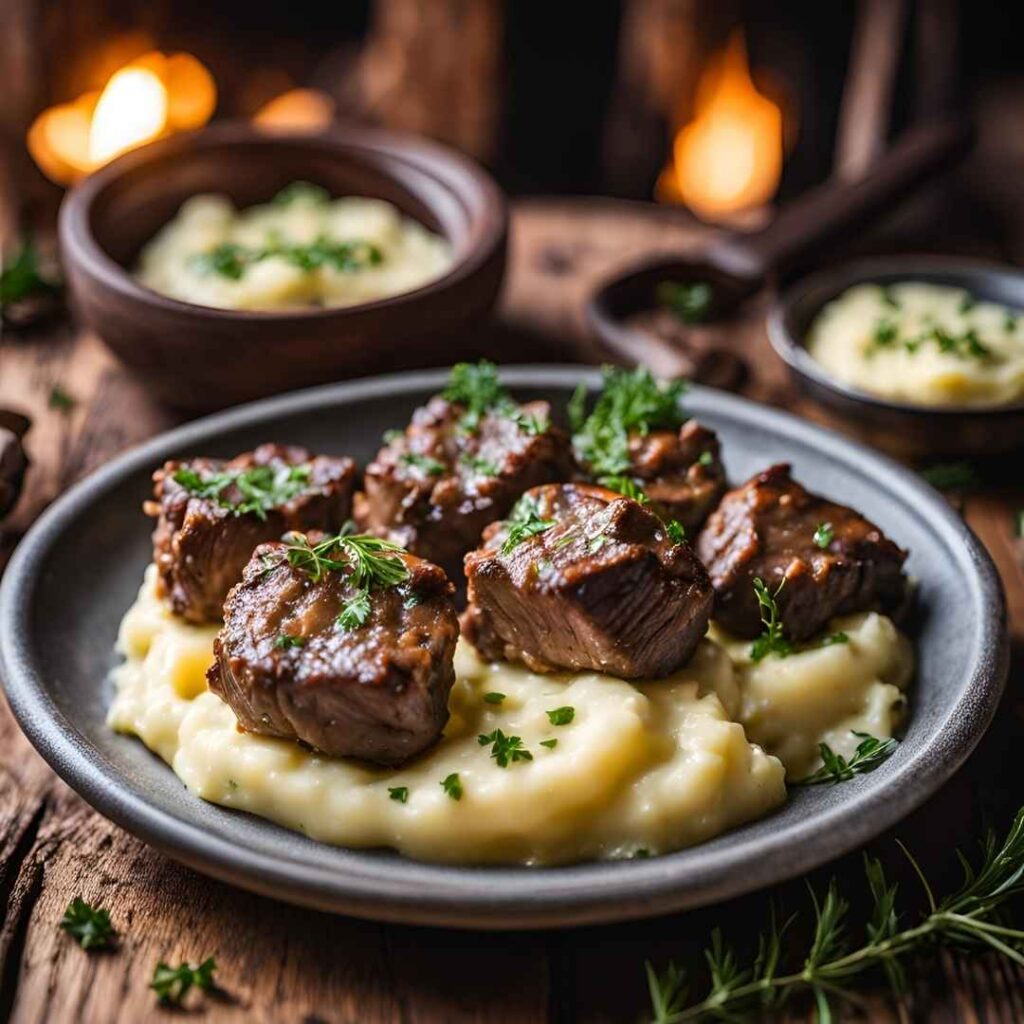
[296, 109]
[132, 109]
[728, 158]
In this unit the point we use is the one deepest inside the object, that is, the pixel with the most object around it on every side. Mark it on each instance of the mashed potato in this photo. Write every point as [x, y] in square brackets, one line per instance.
[922, 343]
[285, 254]
[640, 768]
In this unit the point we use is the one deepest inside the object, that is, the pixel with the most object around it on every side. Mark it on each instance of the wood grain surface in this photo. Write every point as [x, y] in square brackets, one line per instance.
[278, 963]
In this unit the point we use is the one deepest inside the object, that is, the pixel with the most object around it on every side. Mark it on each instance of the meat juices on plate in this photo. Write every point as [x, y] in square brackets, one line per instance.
[375, 689]
[435, 487]
[827, 558]
[583, 578]
[211, 515]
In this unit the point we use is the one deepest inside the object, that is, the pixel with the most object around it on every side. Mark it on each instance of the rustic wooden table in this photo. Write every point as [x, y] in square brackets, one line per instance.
[279, 963]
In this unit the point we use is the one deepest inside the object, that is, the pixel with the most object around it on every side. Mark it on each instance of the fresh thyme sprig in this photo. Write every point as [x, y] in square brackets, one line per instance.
[631, 402]
[772, 640]
[524, 521]
[870, 753]
[969, 918]
[89, 925]
[172, 984]
[262, 488]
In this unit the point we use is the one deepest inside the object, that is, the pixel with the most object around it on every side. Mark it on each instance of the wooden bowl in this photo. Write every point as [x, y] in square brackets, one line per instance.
[906, 430]
[199, 357]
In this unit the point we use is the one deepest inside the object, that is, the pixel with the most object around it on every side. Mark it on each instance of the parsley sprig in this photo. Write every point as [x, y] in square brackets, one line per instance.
[524, 521]
[870, 753]
[261, 488]
[505, 749]
[972, 917]
[772, 640]
[89, 925]
[631, 402]
[172, 984]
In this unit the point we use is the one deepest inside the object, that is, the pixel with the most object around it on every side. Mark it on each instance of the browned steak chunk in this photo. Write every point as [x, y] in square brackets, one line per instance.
[580, 577]
[212, 514]
[435, 487]
[680, 471]
[827, 558]
[307, 654]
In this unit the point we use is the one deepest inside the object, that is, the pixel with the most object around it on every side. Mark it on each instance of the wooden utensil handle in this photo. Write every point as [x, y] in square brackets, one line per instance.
[836, 208]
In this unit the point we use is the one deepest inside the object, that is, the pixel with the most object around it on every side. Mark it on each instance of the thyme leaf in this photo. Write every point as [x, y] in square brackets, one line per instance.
[772, 640]
[870, 753]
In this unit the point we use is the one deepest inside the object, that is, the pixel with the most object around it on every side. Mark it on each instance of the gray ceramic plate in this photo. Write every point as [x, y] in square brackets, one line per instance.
[78, 569]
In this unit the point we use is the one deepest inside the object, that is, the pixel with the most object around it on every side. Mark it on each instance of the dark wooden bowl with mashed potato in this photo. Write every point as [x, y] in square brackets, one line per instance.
[910, 379]
[196, 355]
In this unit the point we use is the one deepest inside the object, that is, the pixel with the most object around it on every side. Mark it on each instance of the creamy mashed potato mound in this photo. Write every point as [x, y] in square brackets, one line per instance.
[919, 343]
[647, 767]
[173, 262]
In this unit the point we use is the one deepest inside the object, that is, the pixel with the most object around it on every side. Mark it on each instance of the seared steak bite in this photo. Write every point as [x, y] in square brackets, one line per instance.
[460, 464]
[580, 577]
[212, 514]
[680, 471]
[827, 558]
[637, 438]
[342, 643]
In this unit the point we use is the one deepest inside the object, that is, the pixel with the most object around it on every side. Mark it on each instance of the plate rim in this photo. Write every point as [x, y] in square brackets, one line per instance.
[412, 892]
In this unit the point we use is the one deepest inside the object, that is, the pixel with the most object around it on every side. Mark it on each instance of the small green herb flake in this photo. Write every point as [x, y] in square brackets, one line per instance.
[823, 536]
[285, 641]
[424, 463]
[888, 299]
[479, 465]
[22, 277]
[494, 698]
[523, 523]
[302, 192]
[89, 925]
[505, 750]
[1010, 322]
[259, 489]
[550, 744]
[561, 716]
[475, 387]
[626, 486]
[689, 301]
[676, 531]
[60, 400]
[356, 611]
[172, 984]
[834, 638]
[232, 260]
[951, 476]
[885, 333]
[706, 459]
[772, 640]
[870, 753]
[967, 303]
[452, 785]
[399, 793]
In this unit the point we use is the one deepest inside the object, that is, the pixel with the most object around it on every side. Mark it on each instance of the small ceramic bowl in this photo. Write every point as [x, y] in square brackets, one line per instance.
[198, 357]
[912, 431]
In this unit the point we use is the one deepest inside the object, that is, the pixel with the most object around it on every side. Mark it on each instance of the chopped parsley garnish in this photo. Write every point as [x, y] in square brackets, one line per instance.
[494, 698]
[886, 333]
[823, 536]
[476, 387]
[531, 424]
[505, 749]
[478, 464]
[870, 753]
[89, 925]
[626, 486]
[356, 611]
[834, 638]
[550, 744]
[424, 463]
[561, 716]
[524, 522]
[302, 191]
[690, 301]
[399, 793]
[951, 476]
[172, 984]
[676, 531]
[452, 785]
[888, 298]
[706, 459]
[285, 641]
[1010, 322]
[261, 488]
[231, 260]
[967, 303]
[772, 640]
[597, 542]
[59, 399]
[631, 402]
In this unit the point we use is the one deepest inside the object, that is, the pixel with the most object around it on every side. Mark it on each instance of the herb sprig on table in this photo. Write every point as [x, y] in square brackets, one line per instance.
[90, 926]
[969, 918]
[631, 402]
[172, 984]
[262, 488]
